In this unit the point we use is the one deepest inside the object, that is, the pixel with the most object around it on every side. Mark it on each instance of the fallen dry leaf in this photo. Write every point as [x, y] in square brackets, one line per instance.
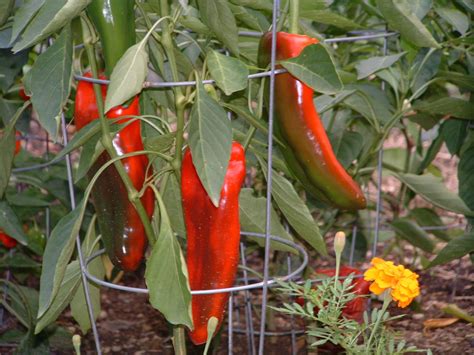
[439, 322]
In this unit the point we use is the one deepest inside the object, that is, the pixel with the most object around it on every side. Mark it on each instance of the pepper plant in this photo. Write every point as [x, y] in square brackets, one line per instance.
[128, 172]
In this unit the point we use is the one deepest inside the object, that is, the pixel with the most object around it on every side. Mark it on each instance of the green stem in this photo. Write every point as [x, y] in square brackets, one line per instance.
[106, 140]
[179, 340]
[294, 15]
[386, 301]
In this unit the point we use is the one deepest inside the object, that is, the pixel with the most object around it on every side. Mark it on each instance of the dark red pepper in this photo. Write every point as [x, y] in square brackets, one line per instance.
[355, 308]
[120, 225]
[213, 236]
[310, 155]
[7, 241]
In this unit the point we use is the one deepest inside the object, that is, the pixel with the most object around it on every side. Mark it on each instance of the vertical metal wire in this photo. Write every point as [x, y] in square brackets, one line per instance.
[276, 7]
[248, 306]
[353, 244]
[378, 207]
[85, 282]
[292, 318]
[230, 326]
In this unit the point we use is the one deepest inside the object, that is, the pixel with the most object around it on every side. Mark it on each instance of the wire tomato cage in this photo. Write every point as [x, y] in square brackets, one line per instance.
[245, 283]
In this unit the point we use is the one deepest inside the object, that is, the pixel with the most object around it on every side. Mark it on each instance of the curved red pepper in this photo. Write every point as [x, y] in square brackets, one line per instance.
[355, 308]
[121, 227]
[213, 236]
[310, 155]
[7, 241]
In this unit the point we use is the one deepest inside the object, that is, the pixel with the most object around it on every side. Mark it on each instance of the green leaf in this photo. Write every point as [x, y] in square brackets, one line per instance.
[447, 106]
[18, 261]
[217, 15]
[265, 5]
[455, 18]
[314, 66]
[69, 285]
[23, 16]
[426, 217]
[454, 132]
[465, 171]
[425, 67]
[295, 211]
[10, 224]
[7, 147]
[56, 256]
[401, 18]
[6, 7]
[420, 7]
[460, 79]
[166, 276]
[212, 324]
[433, 190]
[128, 75]
[51, 80]
[53, 15]
[455, 249]
[412, 233]
[330, 18]
[347, 146]
[229, 73]
[172, 200]
[210, 140]
[369, 66]
[253, 219]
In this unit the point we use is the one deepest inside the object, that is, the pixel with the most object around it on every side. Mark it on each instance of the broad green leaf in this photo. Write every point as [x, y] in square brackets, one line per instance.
[330, 18]
[371, 102]
[295, 211]
[447, 106]
[10, 224]
[455, 249]
[246, 18]
[324, 103]
[229, 73]
[210, 140]
[400, 18]
[465, 171]
[23, 16]
[419, 7]
[433, 190]
[128, 75]
[172, 200]
[52, 16]
[56, 256]
[253, 219]
[255, 4]
[51, 81]
[315, 67]
[10, 66]
[369, 66]
[426, 217]
[460, 79]
[425, 120]
[425, 67]
[69, 286]
[454, 132]
[18, 261]
[347, 146]
[7, 147]
[412, 233]
[217, 15]
[166, 276]
[455, 18]
[6, 7]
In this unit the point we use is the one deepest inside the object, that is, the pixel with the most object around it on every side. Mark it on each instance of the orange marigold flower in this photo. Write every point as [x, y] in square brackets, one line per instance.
[386, 275]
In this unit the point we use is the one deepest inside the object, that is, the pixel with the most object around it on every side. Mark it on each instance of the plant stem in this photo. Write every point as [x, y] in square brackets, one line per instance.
[386, 301]
[179, 341]
[294, 15]
[106, 140]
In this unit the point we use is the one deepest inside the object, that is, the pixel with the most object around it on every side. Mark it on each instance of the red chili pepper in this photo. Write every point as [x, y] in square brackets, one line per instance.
[213, 236]
[355, 308]
[17, 143]
[23, 95]
[310, 155]
[121, 227]
[7, 241]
